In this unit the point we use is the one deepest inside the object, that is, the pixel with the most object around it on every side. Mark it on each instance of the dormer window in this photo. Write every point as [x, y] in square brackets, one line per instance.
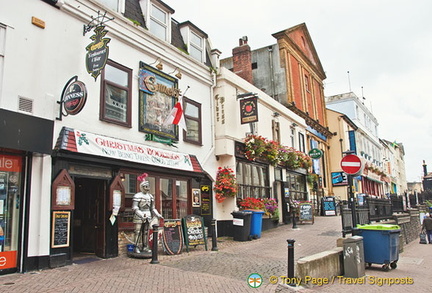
[158, 18]
[158, 22]
[115, 5]
[195, 40]
[196, 46]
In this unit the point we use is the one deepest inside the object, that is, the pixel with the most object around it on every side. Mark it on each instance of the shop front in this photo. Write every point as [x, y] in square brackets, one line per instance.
[104, 172]
[24, 141]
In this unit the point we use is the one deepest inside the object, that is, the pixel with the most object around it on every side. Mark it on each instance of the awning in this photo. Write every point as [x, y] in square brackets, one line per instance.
[373, 179]
[74, 140]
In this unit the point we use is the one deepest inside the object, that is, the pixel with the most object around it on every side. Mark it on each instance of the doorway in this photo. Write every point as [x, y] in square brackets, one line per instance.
[89, 216]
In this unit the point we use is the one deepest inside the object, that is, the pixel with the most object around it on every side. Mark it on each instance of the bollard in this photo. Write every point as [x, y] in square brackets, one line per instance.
[294, 222]
[290, 259]
[214, 236]
[155, 245]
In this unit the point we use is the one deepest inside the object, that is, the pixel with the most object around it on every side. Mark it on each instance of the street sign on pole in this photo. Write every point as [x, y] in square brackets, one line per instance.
[351, 164]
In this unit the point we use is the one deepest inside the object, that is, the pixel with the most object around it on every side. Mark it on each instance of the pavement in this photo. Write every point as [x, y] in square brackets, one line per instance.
[228, 268]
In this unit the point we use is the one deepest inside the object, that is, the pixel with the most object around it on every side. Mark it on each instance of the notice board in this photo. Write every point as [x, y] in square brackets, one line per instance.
[172, 237]
[60, 229]
[306, 212]
[194, 231]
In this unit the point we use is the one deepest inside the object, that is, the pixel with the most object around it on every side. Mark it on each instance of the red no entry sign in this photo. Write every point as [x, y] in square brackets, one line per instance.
[351, 164]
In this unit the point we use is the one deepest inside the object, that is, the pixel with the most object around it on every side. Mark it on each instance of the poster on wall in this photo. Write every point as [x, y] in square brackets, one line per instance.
[339, 179]
[158, 94]
[205, 200]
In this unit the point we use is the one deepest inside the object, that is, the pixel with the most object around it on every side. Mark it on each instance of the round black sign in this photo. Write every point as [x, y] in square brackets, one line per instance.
[75, 97]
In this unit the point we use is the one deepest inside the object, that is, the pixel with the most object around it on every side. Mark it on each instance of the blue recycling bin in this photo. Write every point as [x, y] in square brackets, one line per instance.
[381, 244]
[256, 224]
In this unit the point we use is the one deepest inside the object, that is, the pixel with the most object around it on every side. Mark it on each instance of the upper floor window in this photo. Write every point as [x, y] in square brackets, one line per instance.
[306, 81]
[196, 46]
[158, 22]
[302, 147]
[116, 5]
[2, 51]
[116, 94]
[192, 114]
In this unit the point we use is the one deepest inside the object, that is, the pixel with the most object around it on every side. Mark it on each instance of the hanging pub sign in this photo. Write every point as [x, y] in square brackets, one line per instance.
[157, 96]
[75, 97]
[249, 110]
[97, 52]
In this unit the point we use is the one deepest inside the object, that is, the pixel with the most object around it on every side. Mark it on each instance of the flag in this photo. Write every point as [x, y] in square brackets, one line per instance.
[176, 116]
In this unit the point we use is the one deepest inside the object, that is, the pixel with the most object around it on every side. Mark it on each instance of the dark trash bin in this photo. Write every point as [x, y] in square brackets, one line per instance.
[381, 244]
[242, 225]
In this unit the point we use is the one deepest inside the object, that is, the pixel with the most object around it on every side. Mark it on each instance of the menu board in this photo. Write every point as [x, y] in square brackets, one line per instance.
[205, 200]
[329, 206]
[194, 232]
[306, 212]
[60, 229]
[172, 238]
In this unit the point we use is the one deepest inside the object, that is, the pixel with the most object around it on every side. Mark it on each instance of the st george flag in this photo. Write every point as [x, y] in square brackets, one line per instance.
[176, 116]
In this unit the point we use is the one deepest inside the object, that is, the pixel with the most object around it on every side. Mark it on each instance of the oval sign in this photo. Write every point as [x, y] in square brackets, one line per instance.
[75, 97]
[315, 153]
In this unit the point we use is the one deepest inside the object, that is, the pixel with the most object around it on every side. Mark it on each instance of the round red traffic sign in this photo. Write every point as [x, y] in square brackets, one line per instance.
[351, 164]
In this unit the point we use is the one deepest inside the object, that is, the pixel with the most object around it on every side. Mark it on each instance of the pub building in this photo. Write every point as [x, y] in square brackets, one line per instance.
[75, 136]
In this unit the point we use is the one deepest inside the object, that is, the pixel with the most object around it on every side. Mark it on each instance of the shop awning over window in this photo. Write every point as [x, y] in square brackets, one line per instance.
[78, 141]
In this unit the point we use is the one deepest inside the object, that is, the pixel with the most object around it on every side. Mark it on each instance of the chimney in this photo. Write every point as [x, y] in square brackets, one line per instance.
[424, 169]
[242, 60]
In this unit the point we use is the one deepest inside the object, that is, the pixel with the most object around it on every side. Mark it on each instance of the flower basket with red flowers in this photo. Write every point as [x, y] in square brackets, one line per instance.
[225, 185]
[251, 203]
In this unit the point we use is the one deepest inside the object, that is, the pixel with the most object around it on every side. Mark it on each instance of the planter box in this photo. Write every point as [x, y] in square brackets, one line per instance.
[268, 223]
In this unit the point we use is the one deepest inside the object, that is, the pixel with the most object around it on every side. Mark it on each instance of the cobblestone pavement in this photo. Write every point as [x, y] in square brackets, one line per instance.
[225, 270]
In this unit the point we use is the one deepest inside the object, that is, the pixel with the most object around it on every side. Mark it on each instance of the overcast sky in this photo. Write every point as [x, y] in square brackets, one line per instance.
[386, 45]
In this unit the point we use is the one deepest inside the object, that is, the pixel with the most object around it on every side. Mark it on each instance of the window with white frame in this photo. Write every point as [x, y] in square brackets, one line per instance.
[116, 5]
[196, 47]
[159, 22]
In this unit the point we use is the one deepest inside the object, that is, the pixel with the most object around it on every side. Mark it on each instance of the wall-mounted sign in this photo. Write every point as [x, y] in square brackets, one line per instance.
[315, 153]
[158, 95]
[249, 110]
[60, 229]
[339, 179]
[97, 52]
[74, 97]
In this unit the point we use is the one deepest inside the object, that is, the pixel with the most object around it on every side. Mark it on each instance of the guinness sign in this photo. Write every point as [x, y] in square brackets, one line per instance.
[75, 97]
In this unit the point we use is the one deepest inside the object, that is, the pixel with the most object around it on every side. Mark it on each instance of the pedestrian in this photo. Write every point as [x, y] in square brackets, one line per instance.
[427, 226]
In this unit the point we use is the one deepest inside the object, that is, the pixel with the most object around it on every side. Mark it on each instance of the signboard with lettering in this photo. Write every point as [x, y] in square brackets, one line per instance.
[306, 212]
[60, 229]
[157, 96]
[97, 52]
[205, 200]
[194, 231]
[75, 97]
[172, 237]
[329, 206]
[249, 110]
[339, 179]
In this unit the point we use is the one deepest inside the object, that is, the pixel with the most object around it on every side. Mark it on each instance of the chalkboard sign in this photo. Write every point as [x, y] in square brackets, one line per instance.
[194, 232]
[60, 229]
[306, 212]
[329, 206]
[172, 237]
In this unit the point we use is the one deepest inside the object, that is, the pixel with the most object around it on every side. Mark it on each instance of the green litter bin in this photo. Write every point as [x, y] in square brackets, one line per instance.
[381, 244]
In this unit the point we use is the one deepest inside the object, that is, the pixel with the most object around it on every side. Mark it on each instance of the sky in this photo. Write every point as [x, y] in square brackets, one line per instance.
[385, 45]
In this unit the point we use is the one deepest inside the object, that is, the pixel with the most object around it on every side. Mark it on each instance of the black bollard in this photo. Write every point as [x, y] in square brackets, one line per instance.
[291, 259]
[294, 222]
[155, 245]
[214, 236]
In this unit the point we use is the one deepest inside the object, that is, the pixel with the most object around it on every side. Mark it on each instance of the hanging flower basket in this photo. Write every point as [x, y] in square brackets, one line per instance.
[260, 148]
[225, 185]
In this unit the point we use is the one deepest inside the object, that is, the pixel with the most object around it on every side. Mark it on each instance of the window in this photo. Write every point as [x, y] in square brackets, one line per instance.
[297, 185]
[306, 81]
[192, 114]
[116, 5]
[2, 52]
[292, 137]
[252, 180]
[301, 143]
[116, 94]
[158, 22]
[196, 46]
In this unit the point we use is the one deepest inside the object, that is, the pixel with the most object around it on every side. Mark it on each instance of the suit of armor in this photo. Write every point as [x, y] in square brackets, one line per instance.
[145, 215]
